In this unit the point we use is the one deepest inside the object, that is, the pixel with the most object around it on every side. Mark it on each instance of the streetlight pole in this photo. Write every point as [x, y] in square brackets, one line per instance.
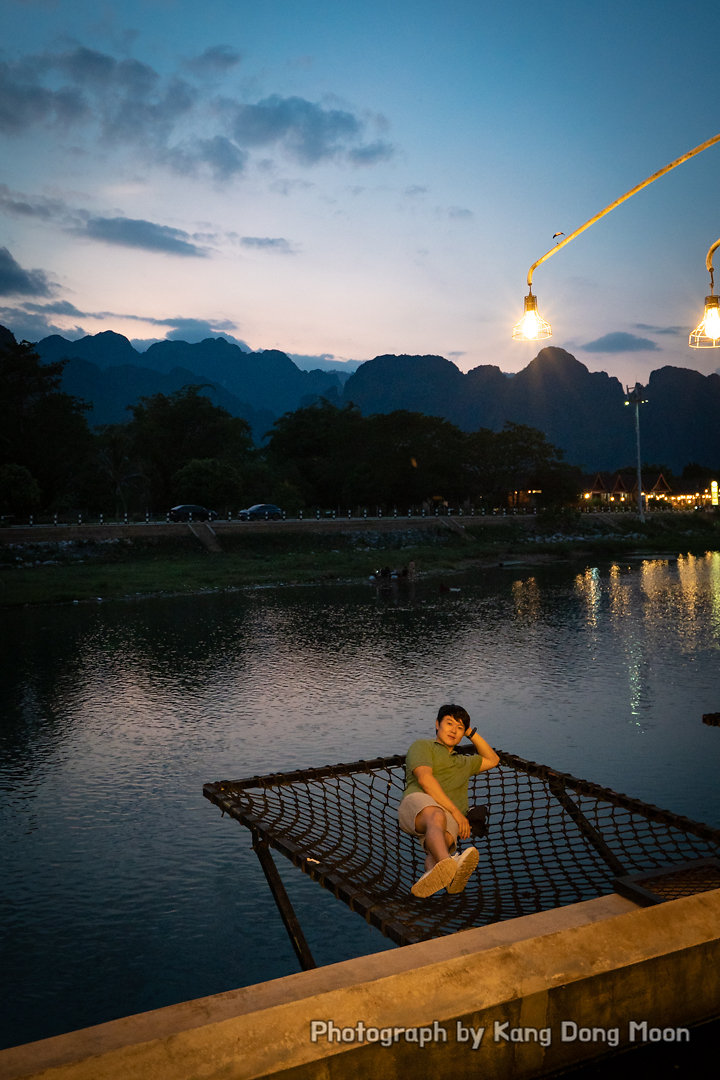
[634, 397]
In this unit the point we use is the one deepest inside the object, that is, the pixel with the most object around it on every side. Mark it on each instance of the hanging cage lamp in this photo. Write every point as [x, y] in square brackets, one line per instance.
[531, 327]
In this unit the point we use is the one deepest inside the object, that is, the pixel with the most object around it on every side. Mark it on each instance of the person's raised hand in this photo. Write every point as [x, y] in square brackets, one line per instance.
[463, 825]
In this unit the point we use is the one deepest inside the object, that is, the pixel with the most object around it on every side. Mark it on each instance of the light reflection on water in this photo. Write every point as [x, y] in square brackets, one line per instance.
[124, 890]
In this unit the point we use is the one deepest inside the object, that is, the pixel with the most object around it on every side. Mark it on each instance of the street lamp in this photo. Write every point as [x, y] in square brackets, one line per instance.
[706, 334]
[531, 320]
[531, 327]
[634, 397]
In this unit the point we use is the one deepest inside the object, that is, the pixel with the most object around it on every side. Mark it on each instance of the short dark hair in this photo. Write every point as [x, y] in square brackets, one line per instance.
[456, 711]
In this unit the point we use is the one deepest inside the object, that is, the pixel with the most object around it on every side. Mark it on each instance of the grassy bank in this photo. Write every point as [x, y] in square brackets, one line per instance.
[47, 572]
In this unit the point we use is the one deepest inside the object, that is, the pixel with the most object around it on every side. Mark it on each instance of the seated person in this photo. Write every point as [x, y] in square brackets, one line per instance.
[435, 801]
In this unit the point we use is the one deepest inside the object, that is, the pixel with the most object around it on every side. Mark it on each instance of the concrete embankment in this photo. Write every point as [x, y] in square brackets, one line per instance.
[155, 530]
[508, 1001]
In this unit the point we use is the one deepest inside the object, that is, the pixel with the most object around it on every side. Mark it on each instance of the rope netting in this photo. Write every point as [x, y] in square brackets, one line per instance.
[552, 840]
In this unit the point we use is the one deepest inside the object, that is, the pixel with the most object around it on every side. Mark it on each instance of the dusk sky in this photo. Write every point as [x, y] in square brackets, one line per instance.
[351, 179]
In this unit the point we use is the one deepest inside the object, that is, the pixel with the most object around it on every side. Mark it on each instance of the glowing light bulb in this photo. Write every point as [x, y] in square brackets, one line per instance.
[706, 334]
[712, 323]
[531, 327]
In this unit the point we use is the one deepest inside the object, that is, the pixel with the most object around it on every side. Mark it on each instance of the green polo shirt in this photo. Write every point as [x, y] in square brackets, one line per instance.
[451, 770]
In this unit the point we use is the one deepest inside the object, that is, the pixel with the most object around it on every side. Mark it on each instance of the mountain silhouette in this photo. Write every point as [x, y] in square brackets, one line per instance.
[111, 390]
[267, 383]
[580, 411]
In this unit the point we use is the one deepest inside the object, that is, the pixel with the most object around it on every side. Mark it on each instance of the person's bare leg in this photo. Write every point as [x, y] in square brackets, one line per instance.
[431, 821]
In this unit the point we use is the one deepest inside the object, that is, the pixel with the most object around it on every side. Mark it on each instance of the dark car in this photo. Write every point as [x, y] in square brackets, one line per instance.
[189, 511]
[261, 512]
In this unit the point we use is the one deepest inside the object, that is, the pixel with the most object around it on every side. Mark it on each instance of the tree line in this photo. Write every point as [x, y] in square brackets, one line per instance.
[181, 448]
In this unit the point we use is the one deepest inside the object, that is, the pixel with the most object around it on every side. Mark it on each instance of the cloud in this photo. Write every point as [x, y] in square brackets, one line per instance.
[33, 321]
[32, 327]
[268, 243]
[57, 307]
[371, 154]
[224, 158]
[185, 329]
[661, 329]
[215, 61]
[305, 131]
[286, 187]
[14, 281]
[136, 233]
[619, 342]
[127, 232]
[24, 103]
[414, 190]
[170, 120]
[455, 213]
[28, 206]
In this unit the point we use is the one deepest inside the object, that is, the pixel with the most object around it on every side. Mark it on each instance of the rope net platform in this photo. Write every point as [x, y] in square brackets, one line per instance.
[552, 840]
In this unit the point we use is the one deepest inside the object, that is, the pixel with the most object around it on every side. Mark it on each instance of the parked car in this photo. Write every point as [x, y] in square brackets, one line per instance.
[199, 513]
[261, 512]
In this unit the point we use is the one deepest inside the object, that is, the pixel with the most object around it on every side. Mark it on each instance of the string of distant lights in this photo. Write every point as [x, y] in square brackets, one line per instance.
[706, 335]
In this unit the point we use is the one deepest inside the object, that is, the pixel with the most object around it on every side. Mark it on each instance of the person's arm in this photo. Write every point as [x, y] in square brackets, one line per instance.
[432, 787]
[486, 752]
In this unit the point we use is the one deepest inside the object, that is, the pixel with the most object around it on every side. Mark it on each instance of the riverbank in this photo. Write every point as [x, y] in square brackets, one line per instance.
[91, 563]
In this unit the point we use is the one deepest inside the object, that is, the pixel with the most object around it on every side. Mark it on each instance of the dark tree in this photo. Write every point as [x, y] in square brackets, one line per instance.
[169, 431]
[314, 449]
[407, 457]
[42, 428]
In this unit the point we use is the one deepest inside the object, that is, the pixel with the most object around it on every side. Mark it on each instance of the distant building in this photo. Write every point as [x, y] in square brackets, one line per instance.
[621, 489]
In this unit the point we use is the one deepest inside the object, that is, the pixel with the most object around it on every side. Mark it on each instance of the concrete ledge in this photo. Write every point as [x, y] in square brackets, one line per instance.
[147, 530]
[600, 964]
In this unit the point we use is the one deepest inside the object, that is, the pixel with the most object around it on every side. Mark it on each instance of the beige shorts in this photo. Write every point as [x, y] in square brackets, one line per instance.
[409, 809]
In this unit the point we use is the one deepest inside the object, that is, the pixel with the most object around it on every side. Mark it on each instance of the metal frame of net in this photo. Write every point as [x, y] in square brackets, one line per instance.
[552, 840]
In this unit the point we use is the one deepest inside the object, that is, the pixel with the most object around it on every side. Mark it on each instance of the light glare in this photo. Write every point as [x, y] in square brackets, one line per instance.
[530, 325]
[712, 323]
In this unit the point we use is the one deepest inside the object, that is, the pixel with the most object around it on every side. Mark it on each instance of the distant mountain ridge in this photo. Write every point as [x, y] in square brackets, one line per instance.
[113, 389]
[580, 411]
[267, 380]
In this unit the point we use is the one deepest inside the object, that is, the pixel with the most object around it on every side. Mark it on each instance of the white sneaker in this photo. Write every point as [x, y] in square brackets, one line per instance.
[436, 879]
[464, 866]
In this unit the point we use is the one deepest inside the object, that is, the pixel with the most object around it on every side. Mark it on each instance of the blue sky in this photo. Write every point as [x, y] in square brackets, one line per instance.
[350, 179]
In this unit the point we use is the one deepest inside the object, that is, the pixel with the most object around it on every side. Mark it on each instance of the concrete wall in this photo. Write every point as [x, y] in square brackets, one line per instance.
[27, 535]
[601, 964]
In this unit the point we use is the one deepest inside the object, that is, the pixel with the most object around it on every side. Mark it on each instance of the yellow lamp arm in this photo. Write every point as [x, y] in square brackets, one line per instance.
[622, 199]
[709, 263]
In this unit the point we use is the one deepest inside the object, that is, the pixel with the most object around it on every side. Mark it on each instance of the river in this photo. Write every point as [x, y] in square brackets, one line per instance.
[124, 890]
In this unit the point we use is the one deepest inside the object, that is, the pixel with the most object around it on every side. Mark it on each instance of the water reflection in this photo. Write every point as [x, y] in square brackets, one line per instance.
[588, 585]
[123, 890]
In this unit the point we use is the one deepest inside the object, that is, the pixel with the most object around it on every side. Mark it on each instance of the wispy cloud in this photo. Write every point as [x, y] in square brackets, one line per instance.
[619, 342]
[34, 321]
[268, 243]
[15, 281]
[455, 213]
[286, 187]
[121, 230]
[371, 154]
[137, 233]
[661, 329]
[178, 120]
[214, 62]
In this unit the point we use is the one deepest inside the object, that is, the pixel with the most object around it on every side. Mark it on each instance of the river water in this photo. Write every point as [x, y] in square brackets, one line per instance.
[123, 889]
